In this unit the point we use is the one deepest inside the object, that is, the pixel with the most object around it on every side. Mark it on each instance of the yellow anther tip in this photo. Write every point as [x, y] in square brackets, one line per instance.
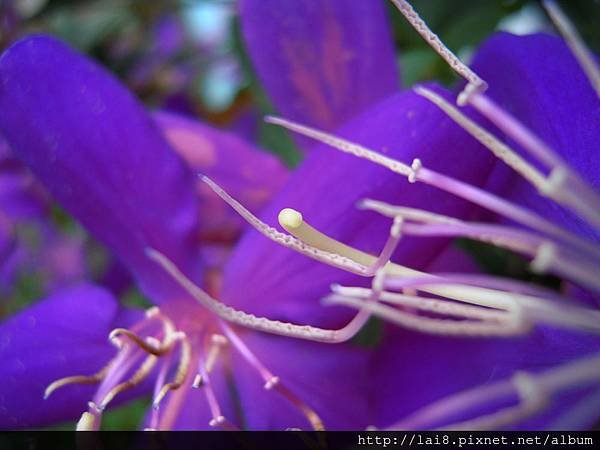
[290, 218]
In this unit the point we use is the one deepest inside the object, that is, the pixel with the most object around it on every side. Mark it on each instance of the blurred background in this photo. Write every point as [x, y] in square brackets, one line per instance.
[187, 56]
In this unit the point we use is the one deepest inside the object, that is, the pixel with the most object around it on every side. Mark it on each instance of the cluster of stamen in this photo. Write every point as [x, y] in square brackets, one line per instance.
[145, 345]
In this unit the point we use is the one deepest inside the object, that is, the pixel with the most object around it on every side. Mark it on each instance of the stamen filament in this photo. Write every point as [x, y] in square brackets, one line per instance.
[77, 379]
[271, 381]
[180, 374]
[406, 213]
[583, 55]
[218, 341]
[431, 325]
[218, 420]
[160, 381]
[534, 307]
[547, 187]
[437, 306]
[140, 374]
[531, 401]
[476, 84]
[576, 373]
[147, 344]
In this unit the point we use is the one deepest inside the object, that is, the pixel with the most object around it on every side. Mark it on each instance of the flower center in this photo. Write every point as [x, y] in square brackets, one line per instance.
[157, 347]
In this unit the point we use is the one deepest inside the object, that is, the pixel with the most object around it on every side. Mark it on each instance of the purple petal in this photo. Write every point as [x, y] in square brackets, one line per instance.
[249, 174]
[331, 379]
[99, 154]
[321, 62]
[545, 89]
[273, 281]
[412, 369]
[65, 334]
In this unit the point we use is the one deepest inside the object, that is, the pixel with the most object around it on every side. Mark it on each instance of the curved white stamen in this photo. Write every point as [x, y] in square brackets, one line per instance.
[284, 239]
[343, 145]
[415, 214]
[180, 373]
[532, 400]
[546, 253]
[476, 84]
[437, 306]
[584, 371]
[444, 327]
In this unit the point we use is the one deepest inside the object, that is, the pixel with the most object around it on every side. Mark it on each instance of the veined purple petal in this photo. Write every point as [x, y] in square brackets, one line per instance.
[537, 79]
[412, 370]
[249, 174]
[321, 62]
[100, 155]
[273, 281]
[64, 334]
[333, 380]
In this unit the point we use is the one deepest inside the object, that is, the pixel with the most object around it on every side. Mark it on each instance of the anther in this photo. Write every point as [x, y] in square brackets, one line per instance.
[475, 82]
[218, 339]
[198, 381]
[147, 344]
[152, 312]
[142, 372]
[378, 280]
[396, 227]
[271, 383]
[415, 167]
[217, 421]
[528, 389]
[555, 182]
[546, 252]
[95, 407]
[180, 374]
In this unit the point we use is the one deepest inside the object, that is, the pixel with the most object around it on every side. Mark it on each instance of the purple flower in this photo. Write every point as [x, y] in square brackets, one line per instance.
[114, 168]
